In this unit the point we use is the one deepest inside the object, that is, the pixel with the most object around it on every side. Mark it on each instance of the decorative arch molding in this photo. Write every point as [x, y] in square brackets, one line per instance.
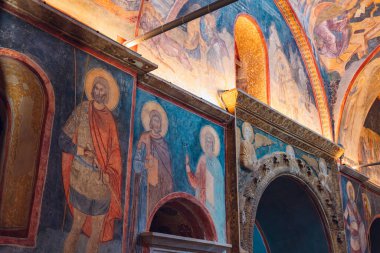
[373, 234]
[362, 91]
[43, 155]
[252, 184]
[199, 212]
[311, 65]
[280, 165]
[252, 50]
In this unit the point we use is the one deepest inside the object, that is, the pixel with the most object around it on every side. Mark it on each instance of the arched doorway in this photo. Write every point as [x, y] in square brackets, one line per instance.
[27, 112]
[374, 236]
[183, 215]
[180, 223]
[252, 64]
[289, 218]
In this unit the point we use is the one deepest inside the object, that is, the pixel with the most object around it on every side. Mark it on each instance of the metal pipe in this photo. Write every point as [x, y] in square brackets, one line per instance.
[369, 164]
[179, 21]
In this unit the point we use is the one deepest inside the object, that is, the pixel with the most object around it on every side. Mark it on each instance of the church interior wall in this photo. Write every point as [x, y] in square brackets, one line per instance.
[263, 158]
[172, 147]
[186, 138]
[361, 209]
[67, 69]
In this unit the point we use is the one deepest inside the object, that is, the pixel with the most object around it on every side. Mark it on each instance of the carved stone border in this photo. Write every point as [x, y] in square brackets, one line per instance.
[253, 185]
[279, 165]
[180, 96]
[284, 128]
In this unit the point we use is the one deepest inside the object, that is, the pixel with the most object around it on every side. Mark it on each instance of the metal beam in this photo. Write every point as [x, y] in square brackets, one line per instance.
[179, 21]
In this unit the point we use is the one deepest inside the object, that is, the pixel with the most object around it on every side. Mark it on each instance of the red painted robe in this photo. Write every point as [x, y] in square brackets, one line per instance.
[106, 143]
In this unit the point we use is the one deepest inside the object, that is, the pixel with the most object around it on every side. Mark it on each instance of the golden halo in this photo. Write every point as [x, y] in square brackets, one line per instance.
[202, 139]
[247, 126]
[145, 118]
[114, 93]
[350, 187]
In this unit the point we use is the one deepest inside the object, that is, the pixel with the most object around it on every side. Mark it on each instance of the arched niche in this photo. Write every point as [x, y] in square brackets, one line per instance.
[183, 215]
[267, 191]
[29, 103]
[180, 223]
[290, 219]
[374, 236]
[361, 94]
[252, 64]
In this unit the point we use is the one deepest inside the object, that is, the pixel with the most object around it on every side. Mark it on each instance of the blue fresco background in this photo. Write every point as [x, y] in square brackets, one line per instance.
[359, 204]
[56, 58]
[183, 136]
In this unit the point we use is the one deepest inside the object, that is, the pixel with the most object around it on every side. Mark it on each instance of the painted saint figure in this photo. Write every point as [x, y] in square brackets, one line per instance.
[153, 155]
[91, 163]
[354, 223]
[205, 179]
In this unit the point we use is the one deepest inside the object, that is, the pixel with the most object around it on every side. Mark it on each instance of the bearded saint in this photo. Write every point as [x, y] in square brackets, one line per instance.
[91, 169]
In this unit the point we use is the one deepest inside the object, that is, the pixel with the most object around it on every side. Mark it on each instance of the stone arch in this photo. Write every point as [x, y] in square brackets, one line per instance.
[374, 235]
[26, 234]
[358, 99]
[193, 211]
[252, 62]
[280, 165]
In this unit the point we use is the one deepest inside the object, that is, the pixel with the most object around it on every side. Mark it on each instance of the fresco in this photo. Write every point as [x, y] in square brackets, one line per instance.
[251, 59]
[340, 30]
[361, 208]
[159, 12]
[167, 160]
[197, 56]
[290, 89]
[363, 93]
[118, 18]
[290, 86]
[200, 56]
[355, 218]
[369, 150]
[19, 160]
[83, 197]
[91, 163]
[343, 34]
[121, 20]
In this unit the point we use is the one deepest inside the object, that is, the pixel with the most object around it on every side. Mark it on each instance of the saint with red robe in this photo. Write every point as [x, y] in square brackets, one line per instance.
[91, 167]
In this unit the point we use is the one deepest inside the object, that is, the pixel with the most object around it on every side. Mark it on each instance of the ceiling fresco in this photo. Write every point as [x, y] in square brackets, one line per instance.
[123, 20]
[343, 34]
